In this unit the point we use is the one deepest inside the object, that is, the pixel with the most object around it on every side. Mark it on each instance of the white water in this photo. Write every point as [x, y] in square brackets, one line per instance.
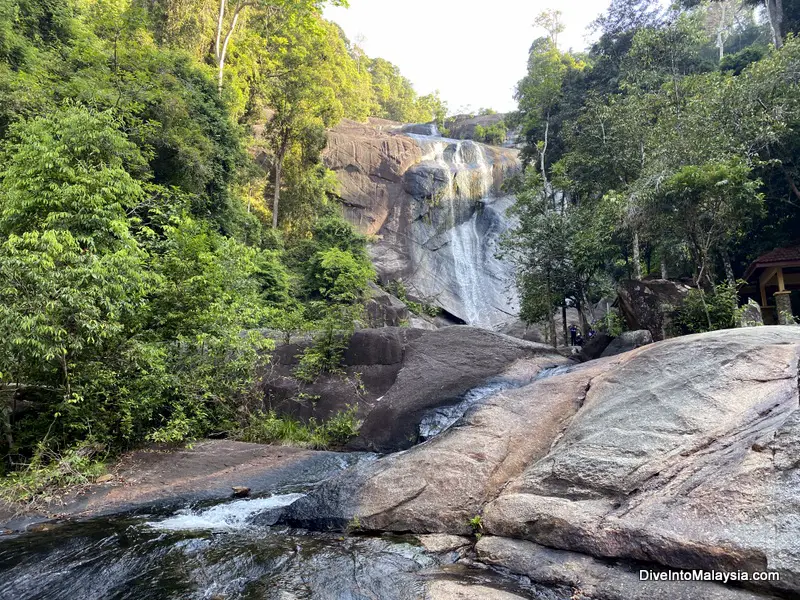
[230, 516]
[469, 184]
[441, 419]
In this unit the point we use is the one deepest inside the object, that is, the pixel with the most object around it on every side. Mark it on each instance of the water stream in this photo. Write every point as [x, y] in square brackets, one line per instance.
[221, 552]
[440, 419]
[235, 550]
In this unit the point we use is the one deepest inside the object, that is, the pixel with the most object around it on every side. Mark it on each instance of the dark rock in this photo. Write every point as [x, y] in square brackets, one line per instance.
[650, 304]
[440, 485]
[421, 129]
[426, 180]
[438, 367]
[383, 309]
[240, 491]
[595, 346]
[626, 341]
[595, 578]
[370, 364]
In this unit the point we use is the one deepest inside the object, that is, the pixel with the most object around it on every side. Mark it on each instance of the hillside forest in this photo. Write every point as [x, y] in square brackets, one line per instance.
[669, 149]
[161, 193]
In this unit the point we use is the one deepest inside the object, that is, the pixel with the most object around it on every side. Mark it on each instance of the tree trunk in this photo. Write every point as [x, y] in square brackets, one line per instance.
[664, 274]
[220, 52]
[551, 321]
[542, 156]
[721, 33]
[775, 16]
[726, 262]
[637, 263]
[277, 197]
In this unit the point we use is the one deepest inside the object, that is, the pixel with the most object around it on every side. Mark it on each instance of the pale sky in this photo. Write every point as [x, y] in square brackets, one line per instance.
[472, 52]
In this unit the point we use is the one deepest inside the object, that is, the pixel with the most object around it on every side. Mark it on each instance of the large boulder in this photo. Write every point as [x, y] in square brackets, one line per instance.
[650, 304]
[370, 365]
[595, 346]
[438, 367]
[627, 341]
[680, 454]
[383, 309]
[394, 375]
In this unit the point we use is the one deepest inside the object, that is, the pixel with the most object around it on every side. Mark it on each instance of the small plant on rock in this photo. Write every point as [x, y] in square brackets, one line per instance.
[476, 523]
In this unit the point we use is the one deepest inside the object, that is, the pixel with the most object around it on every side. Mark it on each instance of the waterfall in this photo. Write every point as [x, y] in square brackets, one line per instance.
[455, 261]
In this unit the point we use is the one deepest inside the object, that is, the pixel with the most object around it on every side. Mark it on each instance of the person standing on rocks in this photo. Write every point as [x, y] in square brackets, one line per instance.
[573, 332]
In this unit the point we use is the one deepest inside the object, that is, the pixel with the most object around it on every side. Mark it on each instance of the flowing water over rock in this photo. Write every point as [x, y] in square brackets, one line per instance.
[221, 552]
[455, 260]
[440, 419]
[437, 208]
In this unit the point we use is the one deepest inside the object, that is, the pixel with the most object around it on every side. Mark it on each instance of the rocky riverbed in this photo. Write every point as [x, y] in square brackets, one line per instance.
[678, 455]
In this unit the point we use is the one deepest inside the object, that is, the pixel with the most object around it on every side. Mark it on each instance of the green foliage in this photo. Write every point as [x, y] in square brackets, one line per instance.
[340, 276]
[736, 63]
[494, 134]
[702, 311]
[43, 479]
[676, 134]
[611, 323]
[334, 330]
[476, 523]
[135, 267]
[271, 428]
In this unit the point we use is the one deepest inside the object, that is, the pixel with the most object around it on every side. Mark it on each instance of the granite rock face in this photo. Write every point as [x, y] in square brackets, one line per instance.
[679, 454]
[437, 210]
[627, 341]
[648, 304]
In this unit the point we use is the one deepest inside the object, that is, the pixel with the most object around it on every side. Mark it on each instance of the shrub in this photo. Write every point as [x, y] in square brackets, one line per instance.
[324, 355]
[271, 428]
[702, 311]
[340, 276]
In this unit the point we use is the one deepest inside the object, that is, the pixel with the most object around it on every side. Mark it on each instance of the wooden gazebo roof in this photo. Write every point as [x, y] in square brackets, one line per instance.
[780, 257]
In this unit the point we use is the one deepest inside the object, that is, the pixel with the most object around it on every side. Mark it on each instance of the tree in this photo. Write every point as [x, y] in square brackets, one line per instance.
[538, 95]
[550, 21]
[228, 18]
[709, 204]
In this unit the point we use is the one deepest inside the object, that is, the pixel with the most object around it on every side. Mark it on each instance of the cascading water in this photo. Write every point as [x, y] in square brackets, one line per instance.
[465, 266]
[439, 420]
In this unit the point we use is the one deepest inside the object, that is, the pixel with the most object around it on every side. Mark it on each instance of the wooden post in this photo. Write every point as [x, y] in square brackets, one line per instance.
[780, 280]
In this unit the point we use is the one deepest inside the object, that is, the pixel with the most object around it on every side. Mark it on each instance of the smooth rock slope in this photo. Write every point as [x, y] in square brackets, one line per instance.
[679, 454]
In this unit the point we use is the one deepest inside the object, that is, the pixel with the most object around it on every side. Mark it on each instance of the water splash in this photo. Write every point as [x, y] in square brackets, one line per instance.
[230, 516]
[439, 420]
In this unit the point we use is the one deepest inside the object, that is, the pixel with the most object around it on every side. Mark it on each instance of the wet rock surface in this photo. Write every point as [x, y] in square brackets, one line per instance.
[680, 454]
[206, 471]
[438, 367]
[437, 210]
[595, 578]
